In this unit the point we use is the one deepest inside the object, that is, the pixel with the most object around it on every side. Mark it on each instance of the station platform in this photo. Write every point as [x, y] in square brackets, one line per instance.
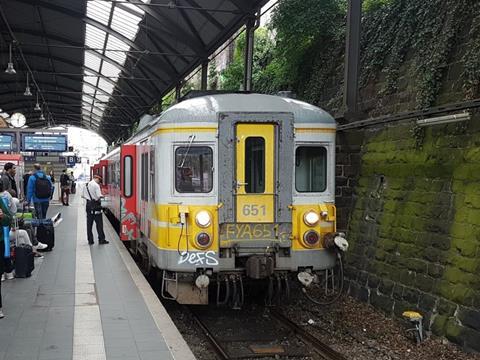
[86, 302]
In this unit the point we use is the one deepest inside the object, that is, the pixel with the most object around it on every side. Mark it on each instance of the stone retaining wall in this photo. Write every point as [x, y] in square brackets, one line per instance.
[414, 227]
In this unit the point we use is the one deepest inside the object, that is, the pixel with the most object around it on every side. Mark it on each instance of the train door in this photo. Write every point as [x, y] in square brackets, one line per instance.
[255, 173]
[128, 186]
[144, 177]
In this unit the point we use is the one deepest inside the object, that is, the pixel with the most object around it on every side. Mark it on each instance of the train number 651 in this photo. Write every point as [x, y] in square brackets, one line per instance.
[253, 210]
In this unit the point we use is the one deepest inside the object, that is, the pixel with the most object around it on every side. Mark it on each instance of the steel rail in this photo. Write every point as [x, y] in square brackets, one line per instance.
[218, 348]
[324, 350]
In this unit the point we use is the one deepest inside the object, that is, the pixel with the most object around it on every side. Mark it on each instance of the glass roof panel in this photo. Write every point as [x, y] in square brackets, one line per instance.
[124, 20]
[102, 98]
[106, 86]
[97, 112]
[108, 69]
[120, 49]
[94, 37]
[91, 80]
[125, 23]
[92, 61]
[99, 10]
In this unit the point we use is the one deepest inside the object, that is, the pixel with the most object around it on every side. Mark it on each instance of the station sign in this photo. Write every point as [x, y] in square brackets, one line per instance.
[38, 143]
[6, 142]
[72, 160]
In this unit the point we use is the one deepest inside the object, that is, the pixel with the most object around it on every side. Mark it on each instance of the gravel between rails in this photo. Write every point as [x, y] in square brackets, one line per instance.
[354, 329]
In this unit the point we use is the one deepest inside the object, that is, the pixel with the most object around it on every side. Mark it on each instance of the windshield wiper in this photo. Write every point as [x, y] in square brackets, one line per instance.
[191, 137]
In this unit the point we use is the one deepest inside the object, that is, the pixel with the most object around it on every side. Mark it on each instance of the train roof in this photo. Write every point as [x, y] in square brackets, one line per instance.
[206, 108]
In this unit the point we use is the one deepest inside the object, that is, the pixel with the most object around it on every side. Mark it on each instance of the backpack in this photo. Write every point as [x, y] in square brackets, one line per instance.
[43, 189]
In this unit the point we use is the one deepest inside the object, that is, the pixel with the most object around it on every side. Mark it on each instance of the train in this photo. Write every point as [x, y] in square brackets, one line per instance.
[222, 190]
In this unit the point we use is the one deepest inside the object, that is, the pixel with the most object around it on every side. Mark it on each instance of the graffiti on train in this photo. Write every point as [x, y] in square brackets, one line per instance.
[199, 258]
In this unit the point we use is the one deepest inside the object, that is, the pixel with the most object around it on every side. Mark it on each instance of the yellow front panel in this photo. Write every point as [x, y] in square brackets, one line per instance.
[255, 207]
[167, 232]
[299, 228]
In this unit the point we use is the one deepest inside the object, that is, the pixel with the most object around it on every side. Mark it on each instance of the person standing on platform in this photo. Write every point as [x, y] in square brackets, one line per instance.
[25, 182]
[65, 187]
[5, 220]
[72, 183]
[93, 194]
[52, 179]
[39, 189]
[8, 177]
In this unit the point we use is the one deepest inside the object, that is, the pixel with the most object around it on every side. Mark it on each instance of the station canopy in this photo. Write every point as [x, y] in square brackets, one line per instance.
[102, 64]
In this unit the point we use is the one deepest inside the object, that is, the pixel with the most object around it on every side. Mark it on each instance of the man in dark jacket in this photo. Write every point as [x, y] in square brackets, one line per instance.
[8, 177]
[65, 187]
[39, 189]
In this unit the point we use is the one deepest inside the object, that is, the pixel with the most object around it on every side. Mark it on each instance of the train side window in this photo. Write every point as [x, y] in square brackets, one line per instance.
[104, 175]
[194, 169]
[255, 165]
[144, 193]
[311, 169]
[127, 176]
[152, 174]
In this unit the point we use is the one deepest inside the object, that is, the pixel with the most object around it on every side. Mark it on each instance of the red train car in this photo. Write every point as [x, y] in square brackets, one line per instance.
[117, 169]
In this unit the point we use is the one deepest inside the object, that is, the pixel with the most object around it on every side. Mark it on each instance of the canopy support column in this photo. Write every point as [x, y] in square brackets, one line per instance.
[250, 40]
[204, 75]
[352, 55]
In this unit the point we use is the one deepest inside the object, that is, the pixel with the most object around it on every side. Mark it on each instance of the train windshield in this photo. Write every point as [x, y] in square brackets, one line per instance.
[194, 169]
[311, 169]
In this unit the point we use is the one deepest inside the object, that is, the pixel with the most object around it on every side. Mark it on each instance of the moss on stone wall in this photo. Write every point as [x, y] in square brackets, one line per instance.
[418, 212]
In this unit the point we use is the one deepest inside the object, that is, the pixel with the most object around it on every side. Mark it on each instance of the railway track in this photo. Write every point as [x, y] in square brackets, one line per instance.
[259, 334]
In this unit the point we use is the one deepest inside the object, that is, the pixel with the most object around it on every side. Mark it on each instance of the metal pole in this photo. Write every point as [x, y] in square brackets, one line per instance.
[249, 34]
[352, 55]
[204, 75]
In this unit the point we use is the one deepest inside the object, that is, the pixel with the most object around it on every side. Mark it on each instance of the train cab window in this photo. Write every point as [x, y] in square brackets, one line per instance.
[255, 165]
[194, 169]
[311, 169]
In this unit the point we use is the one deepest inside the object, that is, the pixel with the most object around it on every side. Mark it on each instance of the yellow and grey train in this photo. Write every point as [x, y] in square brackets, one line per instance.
[226, 189]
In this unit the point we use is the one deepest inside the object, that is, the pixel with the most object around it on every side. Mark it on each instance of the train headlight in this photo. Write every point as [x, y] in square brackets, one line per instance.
[203, 240]
[203, 219]
[311, 238]
[311, 218]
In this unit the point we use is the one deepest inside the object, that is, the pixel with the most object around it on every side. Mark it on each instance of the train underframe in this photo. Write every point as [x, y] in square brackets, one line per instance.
[260, 277]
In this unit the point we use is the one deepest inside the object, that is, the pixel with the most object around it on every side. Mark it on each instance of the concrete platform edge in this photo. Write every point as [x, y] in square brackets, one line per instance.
[174, 340]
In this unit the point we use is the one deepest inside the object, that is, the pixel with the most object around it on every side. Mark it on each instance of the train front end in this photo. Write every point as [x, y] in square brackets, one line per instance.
[274, 220]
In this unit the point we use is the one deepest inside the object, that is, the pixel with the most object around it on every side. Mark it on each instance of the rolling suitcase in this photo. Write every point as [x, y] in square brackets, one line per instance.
[24, 259]
[24, 263]
[46, 234]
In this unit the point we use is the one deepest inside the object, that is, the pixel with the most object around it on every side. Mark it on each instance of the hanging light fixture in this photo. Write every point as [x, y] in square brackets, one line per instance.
[42, 118]
[27, 89]
[37, 105]
[10, 70]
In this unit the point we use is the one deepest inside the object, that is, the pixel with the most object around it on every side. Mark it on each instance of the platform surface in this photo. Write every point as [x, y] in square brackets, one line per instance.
[86, 302]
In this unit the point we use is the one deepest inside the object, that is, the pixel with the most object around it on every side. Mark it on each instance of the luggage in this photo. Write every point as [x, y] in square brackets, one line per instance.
[43, 187]
[46, 234]
[24, 263]
[24, 257]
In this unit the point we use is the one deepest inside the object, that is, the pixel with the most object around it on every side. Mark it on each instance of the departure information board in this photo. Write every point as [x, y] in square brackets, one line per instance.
[44, 142]
[6, 142]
